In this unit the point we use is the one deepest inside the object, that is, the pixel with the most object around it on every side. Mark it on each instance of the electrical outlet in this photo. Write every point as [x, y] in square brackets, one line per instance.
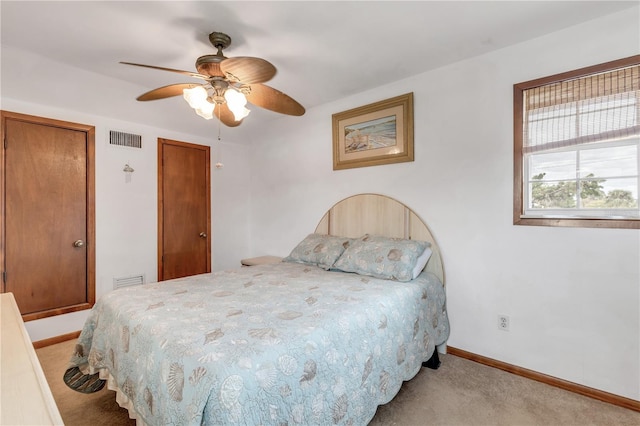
[503, 322]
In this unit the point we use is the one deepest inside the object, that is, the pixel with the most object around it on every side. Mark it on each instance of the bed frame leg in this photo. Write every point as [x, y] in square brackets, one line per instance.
[433, 362]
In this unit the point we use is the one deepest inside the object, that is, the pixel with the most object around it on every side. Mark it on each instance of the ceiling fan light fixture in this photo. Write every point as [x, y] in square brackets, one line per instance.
[206, 110]
[236, 102]
[197, 98]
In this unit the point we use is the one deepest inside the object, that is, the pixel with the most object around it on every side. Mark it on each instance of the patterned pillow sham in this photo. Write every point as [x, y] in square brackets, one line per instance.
[383, 257]
[319, 249]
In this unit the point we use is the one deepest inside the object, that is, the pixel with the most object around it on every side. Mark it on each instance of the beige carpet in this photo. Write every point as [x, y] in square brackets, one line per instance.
[461, 392]
[79, 409]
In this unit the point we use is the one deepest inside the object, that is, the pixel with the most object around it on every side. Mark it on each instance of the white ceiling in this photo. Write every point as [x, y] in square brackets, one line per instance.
[323, 51]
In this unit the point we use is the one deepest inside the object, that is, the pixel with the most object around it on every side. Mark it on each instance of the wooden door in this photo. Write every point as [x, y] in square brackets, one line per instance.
[48, 247]
[184, 209]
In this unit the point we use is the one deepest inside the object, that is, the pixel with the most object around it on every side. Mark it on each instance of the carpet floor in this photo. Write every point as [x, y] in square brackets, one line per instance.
[460, 392]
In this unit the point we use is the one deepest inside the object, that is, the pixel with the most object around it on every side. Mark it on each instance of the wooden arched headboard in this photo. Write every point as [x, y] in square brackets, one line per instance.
[381, 215]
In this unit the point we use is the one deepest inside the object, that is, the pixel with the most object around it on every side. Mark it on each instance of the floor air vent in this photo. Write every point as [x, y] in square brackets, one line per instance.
[128, 281]
[125, 139]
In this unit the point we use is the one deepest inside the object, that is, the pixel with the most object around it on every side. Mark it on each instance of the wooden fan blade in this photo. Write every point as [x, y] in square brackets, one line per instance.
[274, 100]
[166, 91]
[189, 73]
[226, 116]
[248, 70]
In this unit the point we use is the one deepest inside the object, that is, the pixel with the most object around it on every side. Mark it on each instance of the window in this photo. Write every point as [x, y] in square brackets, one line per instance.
[577, 147]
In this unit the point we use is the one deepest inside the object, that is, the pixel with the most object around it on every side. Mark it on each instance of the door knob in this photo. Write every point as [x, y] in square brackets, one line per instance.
[203, 235]
[78, 243]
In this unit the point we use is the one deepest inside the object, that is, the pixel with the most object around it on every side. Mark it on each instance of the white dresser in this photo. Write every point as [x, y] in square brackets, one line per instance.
[25, 397]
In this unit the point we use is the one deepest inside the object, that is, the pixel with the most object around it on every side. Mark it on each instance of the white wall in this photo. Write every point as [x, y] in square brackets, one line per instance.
[572, 294]
[126, 213]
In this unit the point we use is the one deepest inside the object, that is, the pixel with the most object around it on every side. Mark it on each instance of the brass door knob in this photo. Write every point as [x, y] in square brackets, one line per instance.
[78, 243]
[203, 235]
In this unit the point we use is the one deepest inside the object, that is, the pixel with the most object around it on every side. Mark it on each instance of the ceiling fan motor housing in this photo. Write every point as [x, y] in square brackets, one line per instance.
[210, 64]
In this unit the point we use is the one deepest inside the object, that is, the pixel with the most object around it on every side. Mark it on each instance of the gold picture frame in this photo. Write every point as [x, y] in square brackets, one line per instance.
[374, 134]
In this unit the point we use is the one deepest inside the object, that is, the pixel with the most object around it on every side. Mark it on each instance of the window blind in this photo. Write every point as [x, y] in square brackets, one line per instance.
[589, 109]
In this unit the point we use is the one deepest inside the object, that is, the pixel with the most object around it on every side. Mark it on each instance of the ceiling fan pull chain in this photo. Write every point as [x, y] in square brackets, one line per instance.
[219, 164]
[218, 108]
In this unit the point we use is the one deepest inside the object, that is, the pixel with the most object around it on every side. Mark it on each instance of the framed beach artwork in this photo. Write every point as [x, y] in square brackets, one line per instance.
[374, 134]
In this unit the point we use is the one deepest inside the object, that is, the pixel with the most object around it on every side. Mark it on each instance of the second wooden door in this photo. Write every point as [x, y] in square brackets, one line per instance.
[184, 209]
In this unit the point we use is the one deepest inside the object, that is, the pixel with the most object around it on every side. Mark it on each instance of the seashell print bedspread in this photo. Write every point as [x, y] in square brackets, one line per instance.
[271, 344]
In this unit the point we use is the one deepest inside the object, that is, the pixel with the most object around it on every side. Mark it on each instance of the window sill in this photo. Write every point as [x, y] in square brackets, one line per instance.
[575, 222]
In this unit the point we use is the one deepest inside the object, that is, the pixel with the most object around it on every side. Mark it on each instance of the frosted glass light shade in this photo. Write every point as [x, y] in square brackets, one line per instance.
[236, 102]
[195, 96]
[206, 110]
[197, 99]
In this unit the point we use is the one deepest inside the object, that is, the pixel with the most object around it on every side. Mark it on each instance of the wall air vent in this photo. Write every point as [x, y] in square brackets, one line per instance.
[128, 281]
[125, 139]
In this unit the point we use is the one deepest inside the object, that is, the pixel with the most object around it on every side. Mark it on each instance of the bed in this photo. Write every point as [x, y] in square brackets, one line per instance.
[324, 337]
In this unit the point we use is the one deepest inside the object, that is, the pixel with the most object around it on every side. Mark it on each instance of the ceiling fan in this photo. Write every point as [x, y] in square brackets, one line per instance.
[229, 84]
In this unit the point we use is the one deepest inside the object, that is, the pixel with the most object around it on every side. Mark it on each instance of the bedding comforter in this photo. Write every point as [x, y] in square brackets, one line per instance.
[273, 344]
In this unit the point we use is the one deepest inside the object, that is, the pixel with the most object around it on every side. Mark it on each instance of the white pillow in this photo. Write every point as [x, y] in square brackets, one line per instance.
[421, 262]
